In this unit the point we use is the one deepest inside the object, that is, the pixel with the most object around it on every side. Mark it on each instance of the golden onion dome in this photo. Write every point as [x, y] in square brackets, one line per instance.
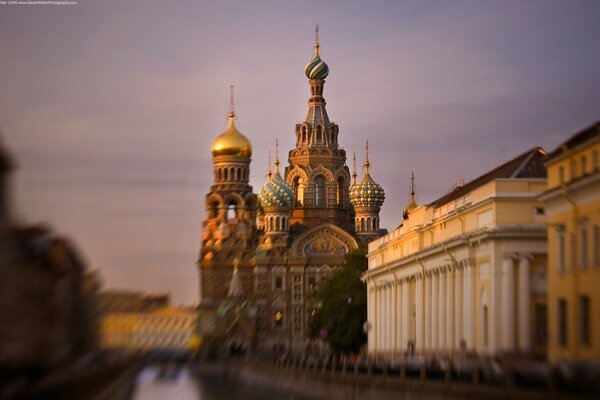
[231, 142]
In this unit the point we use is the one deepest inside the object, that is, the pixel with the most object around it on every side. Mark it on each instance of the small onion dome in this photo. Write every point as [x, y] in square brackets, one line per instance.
[275, 194]
[316, 68]
[231, 142]
[367, 193]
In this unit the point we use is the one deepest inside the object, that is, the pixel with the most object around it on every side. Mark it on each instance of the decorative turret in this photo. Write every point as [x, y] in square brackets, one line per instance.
[276, 199]
[317, 130]
[412, 201]
[231, 152]
[366, 197]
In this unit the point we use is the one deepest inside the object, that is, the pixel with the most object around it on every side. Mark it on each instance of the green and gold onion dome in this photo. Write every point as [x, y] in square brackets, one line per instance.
[231, 142]
[275, 194]
[367, 193]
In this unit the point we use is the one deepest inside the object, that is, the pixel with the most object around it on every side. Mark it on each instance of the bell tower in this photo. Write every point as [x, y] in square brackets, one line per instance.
[229, 232]
[317, 172]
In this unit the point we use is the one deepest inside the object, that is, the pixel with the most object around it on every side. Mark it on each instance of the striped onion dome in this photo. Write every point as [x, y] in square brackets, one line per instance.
[275, 194]
[316, 68]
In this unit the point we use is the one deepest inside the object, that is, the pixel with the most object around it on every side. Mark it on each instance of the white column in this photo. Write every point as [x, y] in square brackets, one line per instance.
[419, 315]
[442, 312]
[370, 306]
[470, 334]
[427, 312]
[449, 309]
[458, 307]
[405, 313]
[508, 304]
[524, 305]
[386, 320]
[378, 321]
[435, 309]
[390, 318]
[398, 317]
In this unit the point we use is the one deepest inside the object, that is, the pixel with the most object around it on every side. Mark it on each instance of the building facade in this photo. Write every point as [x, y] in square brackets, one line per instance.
[572, 203]
[466, 272]
[165, 328]
[288, 237]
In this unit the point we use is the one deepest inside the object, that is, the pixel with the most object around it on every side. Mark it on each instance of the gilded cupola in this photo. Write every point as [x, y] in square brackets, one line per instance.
[231, 142]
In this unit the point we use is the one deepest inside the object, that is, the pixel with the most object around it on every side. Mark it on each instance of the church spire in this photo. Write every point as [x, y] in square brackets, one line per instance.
[231, 102]
[412, 200]
[277, 156]
[317, 41]
[354, 168]
[367, 163]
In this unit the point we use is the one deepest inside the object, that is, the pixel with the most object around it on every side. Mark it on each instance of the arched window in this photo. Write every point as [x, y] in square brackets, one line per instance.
[319, 134]
[225, 173]
[369, 224]
[231, 210]
[362, 224]
[214, 209]
[341, 192]
[298, 191]
[319, 191]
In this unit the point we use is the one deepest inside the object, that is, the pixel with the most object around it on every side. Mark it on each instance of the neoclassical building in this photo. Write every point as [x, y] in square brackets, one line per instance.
[290, 235]
[467, 271]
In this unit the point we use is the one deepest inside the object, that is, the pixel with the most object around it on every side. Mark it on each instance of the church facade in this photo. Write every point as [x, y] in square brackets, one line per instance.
[287, 238]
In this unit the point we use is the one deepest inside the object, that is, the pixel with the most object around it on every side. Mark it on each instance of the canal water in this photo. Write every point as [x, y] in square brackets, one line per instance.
[154, 384]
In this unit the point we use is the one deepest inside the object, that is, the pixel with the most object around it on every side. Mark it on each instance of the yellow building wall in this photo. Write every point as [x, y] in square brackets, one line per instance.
[575, 281]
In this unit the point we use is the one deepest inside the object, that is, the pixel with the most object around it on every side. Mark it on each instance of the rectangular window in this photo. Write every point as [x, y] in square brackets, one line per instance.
[583, 247]
[571, 250]
[560, 249]
[278, 283]
[572, 170]
[541, 324]
[562, 322]
[583, 165]
[485, 218]
[595, 161]
[584, 323]
[561, 175]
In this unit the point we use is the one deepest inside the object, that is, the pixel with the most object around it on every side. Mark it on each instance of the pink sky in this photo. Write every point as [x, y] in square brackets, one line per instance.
[110, 107]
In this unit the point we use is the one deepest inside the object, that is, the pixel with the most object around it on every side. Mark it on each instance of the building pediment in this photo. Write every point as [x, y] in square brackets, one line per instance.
[323, 240]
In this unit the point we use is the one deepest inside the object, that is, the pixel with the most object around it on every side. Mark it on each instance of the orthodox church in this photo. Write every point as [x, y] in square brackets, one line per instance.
[276, 246]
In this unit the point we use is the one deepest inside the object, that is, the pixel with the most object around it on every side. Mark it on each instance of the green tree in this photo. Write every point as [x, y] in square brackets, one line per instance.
[341, 306]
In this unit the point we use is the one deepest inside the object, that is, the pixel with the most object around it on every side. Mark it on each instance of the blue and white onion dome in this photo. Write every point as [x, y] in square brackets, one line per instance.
[276, 194]
[367, 193]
